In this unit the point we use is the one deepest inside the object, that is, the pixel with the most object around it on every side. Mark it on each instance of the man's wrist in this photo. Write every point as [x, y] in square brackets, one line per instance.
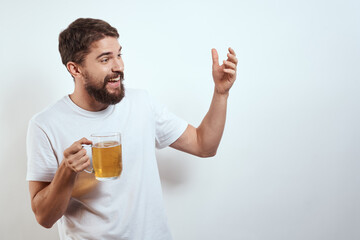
[67, 170]
[219, 94]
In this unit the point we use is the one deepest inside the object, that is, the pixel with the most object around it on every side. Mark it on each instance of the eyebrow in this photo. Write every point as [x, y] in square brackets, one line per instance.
[106, 53]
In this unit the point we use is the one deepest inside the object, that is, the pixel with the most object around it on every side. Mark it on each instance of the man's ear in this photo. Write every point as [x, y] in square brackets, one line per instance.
[74, 69]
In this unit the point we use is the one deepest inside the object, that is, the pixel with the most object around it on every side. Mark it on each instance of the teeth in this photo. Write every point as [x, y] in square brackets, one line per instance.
[115, 79]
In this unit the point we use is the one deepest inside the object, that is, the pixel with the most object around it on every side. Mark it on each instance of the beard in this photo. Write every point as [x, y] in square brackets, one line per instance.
[101, 94]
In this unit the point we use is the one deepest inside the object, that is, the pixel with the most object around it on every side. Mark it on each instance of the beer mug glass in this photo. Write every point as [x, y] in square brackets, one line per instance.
[106, 156]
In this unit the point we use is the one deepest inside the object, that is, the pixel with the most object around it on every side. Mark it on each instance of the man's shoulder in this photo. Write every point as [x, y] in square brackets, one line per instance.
[49, 112]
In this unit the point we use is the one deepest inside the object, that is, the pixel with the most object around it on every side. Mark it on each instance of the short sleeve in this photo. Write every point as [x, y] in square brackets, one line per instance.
[41, 160]
[168, 127]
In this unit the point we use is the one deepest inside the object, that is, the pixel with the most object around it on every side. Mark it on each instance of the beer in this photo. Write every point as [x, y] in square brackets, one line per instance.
[107, 160]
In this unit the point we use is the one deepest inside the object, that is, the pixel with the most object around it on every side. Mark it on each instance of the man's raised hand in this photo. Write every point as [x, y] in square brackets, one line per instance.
[224, 75]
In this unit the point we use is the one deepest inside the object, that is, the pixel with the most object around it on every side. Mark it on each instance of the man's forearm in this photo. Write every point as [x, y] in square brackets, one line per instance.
[210, 131]
[51, 202]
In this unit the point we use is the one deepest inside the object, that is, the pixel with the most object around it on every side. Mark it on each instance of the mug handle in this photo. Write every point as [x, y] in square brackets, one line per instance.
[91, 165]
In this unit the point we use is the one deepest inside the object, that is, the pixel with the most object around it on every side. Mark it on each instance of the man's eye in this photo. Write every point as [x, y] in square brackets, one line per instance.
[120, 54]
[104, 60]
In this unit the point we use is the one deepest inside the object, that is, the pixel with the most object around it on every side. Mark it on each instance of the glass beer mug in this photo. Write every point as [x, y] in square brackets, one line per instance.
[106, 156]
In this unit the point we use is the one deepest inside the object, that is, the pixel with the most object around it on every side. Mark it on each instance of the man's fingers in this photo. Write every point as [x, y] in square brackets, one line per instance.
[80, 153]
[79, 162]
[83, 163]
[86, 165]
[230, 65]
[215, 57]
[84, 141]
[232, 58]
[230, 71]
[232, 51]
[76, 146]
[76, 157]
[73, 158]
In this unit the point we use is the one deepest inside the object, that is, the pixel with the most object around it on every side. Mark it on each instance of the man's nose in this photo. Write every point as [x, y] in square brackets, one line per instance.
[118, 65]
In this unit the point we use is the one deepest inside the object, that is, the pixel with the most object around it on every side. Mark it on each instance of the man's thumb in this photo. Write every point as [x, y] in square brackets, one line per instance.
[215, 57]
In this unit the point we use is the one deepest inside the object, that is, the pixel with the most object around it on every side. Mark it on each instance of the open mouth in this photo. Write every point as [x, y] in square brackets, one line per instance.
[114, 79]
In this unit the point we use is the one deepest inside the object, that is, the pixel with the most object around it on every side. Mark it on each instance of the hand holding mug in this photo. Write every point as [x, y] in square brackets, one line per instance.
[75, 156]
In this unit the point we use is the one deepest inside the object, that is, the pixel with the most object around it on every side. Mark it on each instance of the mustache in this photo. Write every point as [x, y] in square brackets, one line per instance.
[114, 75]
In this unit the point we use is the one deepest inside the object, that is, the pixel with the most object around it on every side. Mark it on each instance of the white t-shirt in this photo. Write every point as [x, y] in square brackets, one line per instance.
[130, 207]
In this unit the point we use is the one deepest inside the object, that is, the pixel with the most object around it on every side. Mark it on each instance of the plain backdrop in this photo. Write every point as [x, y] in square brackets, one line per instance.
[288, 164]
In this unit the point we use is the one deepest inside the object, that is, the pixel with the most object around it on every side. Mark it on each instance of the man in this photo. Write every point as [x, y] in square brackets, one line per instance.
[129, 207]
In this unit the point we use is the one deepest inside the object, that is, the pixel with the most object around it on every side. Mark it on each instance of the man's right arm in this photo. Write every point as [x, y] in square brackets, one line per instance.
[49, 200]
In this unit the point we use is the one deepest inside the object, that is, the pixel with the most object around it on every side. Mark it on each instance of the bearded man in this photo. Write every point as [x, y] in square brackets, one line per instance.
[129, 207]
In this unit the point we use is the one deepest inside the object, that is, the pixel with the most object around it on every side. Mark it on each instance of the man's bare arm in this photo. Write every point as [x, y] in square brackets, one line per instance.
[204, 140]
[49, 200]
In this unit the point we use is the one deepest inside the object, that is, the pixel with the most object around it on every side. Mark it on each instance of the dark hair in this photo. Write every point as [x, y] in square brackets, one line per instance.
[76, 39]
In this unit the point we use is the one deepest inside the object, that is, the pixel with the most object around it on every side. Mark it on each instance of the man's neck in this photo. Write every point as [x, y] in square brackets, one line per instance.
[85, 101]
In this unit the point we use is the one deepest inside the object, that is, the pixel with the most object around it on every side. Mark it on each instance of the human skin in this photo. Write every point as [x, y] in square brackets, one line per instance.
[49, 200]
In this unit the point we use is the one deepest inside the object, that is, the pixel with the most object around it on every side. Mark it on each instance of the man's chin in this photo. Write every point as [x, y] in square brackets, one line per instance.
[113, 91]
[115, 96]
[107, 95]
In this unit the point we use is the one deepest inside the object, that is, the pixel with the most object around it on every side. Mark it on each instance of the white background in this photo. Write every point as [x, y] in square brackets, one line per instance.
[288, 164]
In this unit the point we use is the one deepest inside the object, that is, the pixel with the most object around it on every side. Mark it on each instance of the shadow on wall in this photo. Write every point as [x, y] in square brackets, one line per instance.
[174, 168]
